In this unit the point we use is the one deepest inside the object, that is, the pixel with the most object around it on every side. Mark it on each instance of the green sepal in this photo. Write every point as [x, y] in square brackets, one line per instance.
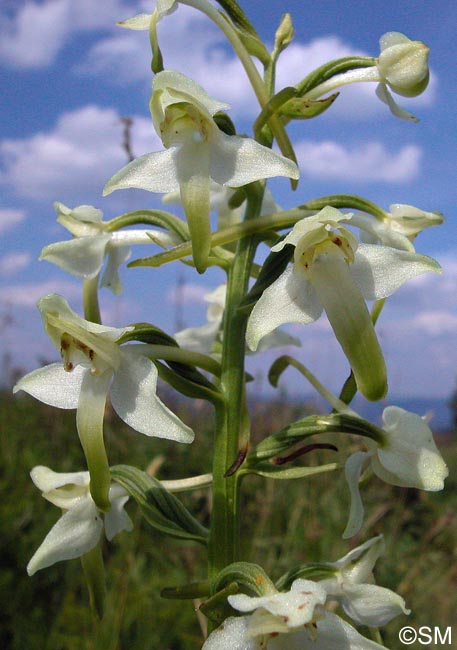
[274, 265]
[159, 218]
[94, 574]
[300, 108]
[224, 123]
[332, 68]
[161, 509]
[187, 592]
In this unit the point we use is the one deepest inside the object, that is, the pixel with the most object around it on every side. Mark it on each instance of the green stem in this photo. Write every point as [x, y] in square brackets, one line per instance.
[231, 416]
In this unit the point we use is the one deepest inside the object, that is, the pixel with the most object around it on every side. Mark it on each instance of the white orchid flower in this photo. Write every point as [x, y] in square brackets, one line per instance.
[352, 586]
[196, 152]
[399, 228]
[332, 271]
[93, 364]
[407, 457]
[83, 256]
[202, 338]
[78, 530]
[298, 613]
[402, 66]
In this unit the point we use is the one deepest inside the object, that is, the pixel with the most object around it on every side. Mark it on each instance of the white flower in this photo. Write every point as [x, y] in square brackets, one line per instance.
[332, 271]
[399, 228]
[202, 338]
[93, 364]
[79, 528]
[352, 586]
[84, 255]
[407, 457]
[196, 152]
[298, 613]
[401, 66]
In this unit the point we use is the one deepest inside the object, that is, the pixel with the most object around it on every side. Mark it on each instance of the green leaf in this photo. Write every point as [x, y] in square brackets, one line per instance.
[307, 572]
[161, 509]
[238, 16]
[147, 333]
[224, 123]
[269, 470]
[188, 387]
[300, 108]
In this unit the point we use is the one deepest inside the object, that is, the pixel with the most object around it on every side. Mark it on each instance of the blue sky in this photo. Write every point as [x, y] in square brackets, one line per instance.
[69, 75]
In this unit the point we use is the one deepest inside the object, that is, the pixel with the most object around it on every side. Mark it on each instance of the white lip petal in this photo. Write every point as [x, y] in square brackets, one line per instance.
[74, 534]
[133, 396]
[53, 385]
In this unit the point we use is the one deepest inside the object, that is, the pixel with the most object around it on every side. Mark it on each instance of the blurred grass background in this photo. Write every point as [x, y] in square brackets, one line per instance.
[284, 523]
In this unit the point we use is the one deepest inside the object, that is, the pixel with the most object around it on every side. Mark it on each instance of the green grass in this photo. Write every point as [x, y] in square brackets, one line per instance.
[284, 523]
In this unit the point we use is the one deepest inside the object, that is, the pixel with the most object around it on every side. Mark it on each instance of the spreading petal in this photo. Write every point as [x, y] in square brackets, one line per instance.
[372, 605]
[52, 385]
[82, 256]
[117, 519]
[133, 396]
[155, 172]
[381, 270]
[236, 161]
[290, 299]
[75, 533]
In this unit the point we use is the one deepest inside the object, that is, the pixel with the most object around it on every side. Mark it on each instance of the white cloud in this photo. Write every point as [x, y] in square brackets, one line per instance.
[10, 218]
[187, 294]
[436, 322]
[366, 162]
[75, 158]
[27, 294]
[37, 32]
[14, 262]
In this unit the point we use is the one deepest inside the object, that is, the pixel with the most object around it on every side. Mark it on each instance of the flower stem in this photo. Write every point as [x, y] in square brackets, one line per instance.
[231, 422]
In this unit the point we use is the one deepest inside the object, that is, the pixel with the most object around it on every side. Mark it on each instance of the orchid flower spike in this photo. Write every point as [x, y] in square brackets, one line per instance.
[399, 228]
[196, 151]
[353, 587]
[93, 364]
[407, 457]
[79, 528]
[83, 256]
[332, 271]
[402, 66]
[299, 613]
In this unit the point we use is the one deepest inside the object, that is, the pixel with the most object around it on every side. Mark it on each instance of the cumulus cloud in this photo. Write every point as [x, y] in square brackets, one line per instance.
[10, 218]
[188, 294]
[76, 157]
[35, 34]
[365, 162]
[27, 294]
[14, 262]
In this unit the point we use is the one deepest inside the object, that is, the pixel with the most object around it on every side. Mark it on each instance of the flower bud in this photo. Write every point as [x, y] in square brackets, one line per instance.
[403, 64]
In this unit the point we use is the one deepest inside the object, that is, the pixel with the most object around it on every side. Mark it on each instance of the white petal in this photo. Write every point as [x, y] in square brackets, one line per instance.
[198, 339]
[138, 22]
[116, 257]
[357, 565]
[117, 519]
[231, 635]
[384, 95]
[352, 470]
[373, 230]
[155, 172]
[82, 256]
[313, 222]
[410, 457]
[332, 634]
[46, 479]
[175, 87]
[53, 385]
[75, 533]
[381, 270]
[133, 395]
[277, 339]
[372, 605]
[290, 299]
[236, 161]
